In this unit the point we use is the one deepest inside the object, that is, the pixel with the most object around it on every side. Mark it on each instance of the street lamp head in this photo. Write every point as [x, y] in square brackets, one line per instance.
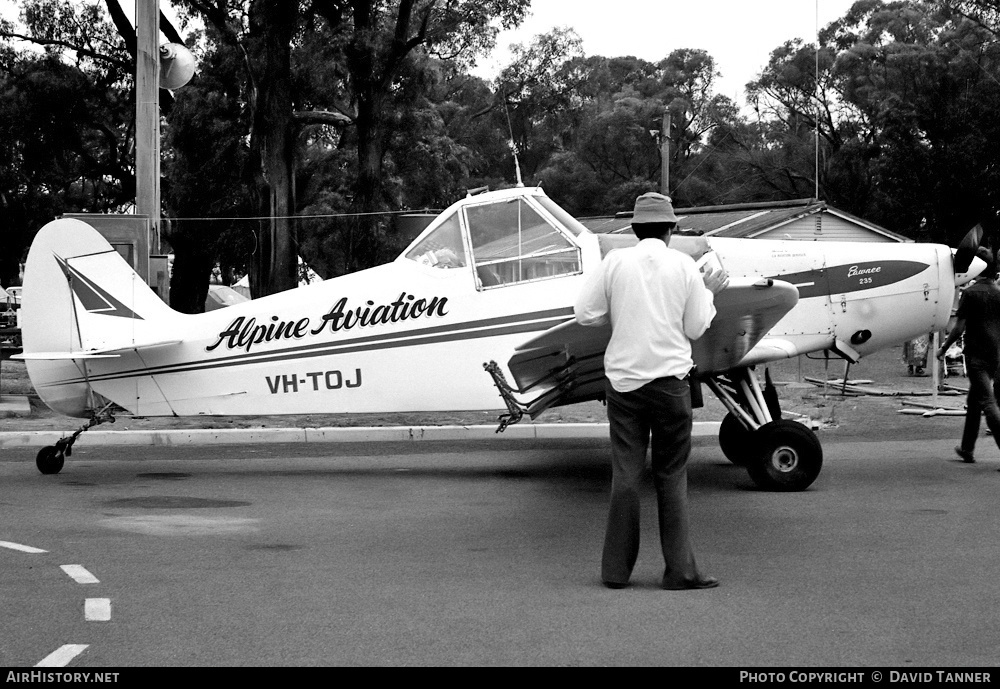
[177, 66]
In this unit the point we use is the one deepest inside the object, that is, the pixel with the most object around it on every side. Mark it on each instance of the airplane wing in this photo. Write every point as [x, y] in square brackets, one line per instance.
[566, 363]
[746, 311]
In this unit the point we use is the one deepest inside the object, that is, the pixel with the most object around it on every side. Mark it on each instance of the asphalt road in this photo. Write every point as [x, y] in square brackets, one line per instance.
[486, 553]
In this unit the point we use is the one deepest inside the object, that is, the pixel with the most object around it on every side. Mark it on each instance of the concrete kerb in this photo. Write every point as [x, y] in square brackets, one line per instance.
[369, 434]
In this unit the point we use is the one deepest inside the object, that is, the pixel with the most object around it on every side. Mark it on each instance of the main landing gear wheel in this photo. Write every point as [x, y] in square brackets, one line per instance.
[50, 460]
[736, 440]
[778, 454]
[789, 456]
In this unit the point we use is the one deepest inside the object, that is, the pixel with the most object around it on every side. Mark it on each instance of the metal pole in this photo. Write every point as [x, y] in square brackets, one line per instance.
[935, 366]
[147, 116]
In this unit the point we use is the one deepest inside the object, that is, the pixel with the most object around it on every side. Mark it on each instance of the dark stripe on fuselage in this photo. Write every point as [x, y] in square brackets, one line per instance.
[469, 330]
[851, 277]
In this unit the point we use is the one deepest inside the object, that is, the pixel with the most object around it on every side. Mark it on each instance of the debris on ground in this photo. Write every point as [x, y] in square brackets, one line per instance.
[858, 388]
[928, 410]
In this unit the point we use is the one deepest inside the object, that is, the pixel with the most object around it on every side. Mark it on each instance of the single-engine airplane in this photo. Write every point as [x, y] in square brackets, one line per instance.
[492, 278]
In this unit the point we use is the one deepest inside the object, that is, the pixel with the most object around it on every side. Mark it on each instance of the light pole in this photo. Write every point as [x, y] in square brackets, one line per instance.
[147, 116]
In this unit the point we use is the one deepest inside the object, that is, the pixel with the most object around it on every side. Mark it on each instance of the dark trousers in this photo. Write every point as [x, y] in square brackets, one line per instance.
[981, 400]
[661, 409]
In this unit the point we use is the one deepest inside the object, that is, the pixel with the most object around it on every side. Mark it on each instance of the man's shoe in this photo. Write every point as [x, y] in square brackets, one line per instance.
[966, 456]
[699, 583]
[616, 584]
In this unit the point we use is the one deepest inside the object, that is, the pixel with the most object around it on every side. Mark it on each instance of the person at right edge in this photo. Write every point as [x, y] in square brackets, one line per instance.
[978, 318]
[657, 303]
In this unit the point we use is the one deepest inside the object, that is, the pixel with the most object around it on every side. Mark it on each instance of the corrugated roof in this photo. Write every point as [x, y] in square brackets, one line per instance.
[742, 220]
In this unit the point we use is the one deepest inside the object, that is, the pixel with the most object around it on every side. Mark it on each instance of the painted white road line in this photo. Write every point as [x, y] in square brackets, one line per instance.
[62, 656]
[79, 574]
[97, 609]
[22, 548]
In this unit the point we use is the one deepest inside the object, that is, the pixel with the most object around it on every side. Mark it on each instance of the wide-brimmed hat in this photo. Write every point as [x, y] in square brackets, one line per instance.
[653, 207]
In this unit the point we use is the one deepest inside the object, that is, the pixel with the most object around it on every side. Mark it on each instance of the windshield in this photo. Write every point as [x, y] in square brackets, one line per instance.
[512, 242]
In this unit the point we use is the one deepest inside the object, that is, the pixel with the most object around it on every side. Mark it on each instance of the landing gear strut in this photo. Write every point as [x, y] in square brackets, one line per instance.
[779, 454]
[50, 459]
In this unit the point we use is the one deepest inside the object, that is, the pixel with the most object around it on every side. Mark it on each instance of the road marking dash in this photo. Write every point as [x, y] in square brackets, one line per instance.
[79, 574]
[22, 548]
[62, 656]
[97, 609]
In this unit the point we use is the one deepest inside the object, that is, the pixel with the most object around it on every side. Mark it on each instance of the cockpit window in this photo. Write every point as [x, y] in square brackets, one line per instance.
[512, 243]
[568, 221]
[442, 248]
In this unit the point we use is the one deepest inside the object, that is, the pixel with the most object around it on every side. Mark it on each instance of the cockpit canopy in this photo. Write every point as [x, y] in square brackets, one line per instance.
[509, 238]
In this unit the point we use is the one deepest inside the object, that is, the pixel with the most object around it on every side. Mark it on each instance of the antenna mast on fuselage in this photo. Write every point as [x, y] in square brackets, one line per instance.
[513, 144]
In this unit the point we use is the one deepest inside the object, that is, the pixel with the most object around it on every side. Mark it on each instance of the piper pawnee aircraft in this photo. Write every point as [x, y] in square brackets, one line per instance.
[493, 278]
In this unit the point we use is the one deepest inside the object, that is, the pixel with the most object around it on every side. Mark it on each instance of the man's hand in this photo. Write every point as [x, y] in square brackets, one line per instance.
[715, 280]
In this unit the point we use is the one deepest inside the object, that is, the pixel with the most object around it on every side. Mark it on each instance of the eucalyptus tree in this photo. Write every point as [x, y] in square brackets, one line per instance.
[905, 107]
[66, 118]
[366, 47]
[597, 130]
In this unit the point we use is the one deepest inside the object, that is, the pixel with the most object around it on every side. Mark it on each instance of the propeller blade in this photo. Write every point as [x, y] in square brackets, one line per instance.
[967, 248]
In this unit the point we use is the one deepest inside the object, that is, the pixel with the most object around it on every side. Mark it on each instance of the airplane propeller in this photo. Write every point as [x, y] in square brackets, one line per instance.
[966, 250]
[965, 262]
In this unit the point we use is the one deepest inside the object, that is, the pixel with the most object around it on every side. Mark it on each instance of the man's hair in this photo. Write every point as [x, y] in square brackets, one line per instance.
[649, 230]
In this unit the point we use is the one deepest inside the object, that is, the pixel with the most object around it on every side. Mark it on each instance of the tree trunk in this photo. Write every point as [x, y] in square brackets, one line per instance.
[191, 273]
[275, 262]
[368, 199]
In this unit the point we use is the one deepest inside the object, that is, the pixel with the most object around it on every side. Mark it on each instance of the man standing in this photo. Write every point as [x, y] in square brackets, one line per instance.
[978, 318]
[657, 302]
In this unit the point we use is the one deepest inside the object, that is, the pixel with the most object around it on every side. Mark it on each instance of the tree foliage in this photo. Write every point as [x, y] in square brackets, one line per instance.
[65, 124]
[316, 120]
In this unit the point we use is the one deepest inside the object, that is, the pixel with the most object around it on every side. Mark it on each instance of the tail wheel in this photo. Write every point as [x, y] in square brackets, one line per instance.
[736, 441]
[50, 460]
[789, 456]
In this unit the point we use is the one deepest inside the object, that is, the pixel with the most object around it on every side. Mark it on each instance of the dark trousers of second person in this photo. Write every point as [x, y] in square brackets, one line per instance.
[661, 409]
[981, 400]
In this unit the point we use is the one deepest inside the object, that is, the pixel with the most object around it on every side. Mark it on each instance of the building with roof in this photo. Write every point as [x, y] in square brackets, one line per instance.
[800, 219]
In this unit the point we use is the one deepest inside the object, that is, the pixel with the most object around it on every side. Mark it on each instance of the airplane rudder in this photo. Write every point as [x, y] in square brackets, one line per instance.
[48, 323]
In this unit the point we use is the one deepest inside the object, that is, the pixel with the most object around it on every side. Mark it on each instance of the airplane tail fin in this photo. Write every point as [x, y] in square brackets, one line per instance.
[81, 300]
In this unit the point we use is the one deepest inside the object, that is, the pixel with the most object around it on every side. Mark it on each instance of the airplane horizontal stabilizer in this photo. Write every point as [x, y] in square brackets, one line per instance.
[137, 347]
[62, 356]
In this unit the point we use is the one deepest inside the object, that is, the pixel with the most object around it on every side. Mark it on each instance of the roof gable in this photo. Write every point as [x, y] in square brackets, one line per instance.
[744, 220]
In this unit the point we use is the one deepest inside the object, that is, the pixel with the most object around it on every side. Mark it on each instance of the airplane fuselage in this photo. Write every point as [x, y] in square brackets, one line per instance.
[487, 275]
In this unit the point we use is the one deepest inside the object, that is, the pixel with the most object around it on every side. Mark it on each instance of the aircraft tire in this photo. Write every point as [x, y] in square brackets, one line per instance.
[49, 460]
[736, 441]
[789, 456]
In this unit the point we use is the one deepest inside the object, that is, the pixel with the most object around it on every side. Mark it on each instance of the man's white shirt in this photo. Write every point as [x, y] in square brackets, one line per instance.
[657, 304]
